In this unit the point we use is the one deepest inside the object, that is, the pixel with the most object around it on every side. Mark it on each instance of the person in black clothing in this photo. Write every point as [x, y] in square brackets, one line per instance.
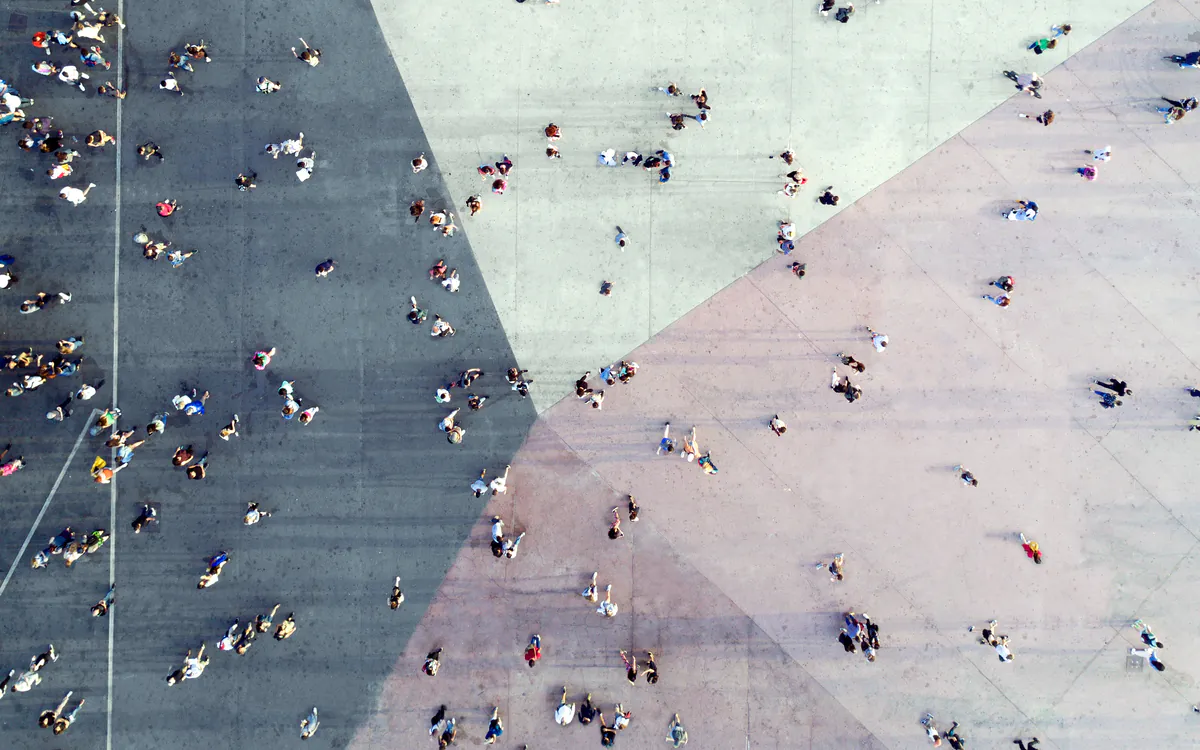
[608, 735]
[587, 711]
[1187, 104]
[1031, 745]
[951, 736]
[1120, 387]
[846, 641]
[436, 721]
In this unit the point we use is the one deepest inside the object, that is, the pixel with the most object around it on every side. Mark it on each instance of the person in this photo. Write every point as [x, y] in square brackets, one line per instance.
[230, 637]
[589, 593]
[432, 662]
[607, 608]
[847, 641]
[1190, 60]
[229, 430]
[310, 56]
[608, 735]
[587, 711]
[499, 485]
[1025, 211]
[1031, 745]
[931, 730]
[1108, 400]
[706, 464]
[509, 546]
[968, 479]
[777, 425]
[835, 567]
[63, 723]
[49, 716]
[262, 623]
[253, 515]
[843, 14]
[651, 670]
[216, 564]
[827, 198]
[533, 652]
[634, 509]
[193, 667]
[198, 470]
[286, 628]
[1147, 635]
[397, 597]
[308, 726]
[447, 737]
[100, 608]
[262, 358]
[676, 734]
[1041, 45]
[479, 486]
[265, 85]
[1002, 300]
[1031, 549]
[245, 182]
[614, 529]
[74, 195]
[1030, 83]
[495, 728]
[631, 668]
[437, 720]
[169, 83]
[1120, 387]
[325, 267]
[1150, 655]
[1045, 118]
[1006, 283]
[666, 445]
[26, 681]
[565, 713]
[956, 741]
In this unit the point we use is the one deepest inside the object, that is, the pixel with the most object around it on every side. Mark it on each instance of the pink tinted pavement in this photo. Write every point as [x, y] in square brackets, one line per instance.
[719, 578]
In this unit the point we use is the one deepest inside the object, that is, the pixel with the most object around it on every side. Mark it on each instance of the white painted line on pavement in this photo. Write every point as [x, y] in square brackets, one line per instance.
[116, 349]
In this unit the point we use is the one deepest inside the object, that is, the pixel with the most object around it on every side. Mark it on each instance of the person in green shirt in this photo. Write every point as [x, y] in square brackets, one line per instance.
[1042, 45]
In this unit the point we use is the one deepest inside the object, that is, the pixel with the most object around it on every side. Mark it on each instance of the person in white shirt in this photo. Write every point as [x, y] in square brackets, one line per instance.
[499, 485]
[607, 608]
[479, 486]
[878, 340]
[74, 195]
[451, 282]
[565, 713]
[497, 529]
[308, 726]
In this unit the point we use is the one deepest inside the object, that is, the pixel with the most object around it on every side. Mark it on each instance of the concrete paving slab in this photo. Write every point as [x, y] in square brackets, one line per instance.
[1006, 391]
[921, 75]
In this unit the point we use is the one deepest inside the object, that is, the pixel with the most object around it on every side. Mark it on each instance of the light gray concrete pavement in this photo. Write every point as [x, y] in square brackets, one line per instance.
[719, 575]
[857, 102]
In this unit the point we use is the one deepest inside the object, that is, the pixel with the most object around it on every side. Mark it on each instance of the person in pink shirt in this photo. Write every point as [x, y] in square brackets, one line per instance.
[13, 466]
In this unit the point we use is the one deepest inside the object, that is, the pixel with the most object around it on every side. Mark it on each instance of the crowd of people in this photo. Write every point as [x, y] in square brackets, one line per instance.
[34, 370]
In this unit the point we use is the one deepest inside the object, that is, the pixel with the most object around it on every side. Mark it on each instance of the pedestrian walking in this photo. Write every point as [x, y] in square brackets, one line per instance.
[433, 662]
[310, 55]
[1024, 211]
[1190, 60]
[1172, 115]
[1032, 550]
[1029, 83]
[1045, 118]
[265, 85]
[666, 444]
[1031, 745]
[608, 735]
[325, 267]
[262, 623]
[495, 728]
[199, 469]
[827, 198]
[843, 14]
[1041, 45]
[499, 485]
[954, 738]
[999, 642]
[309, 725]
[931, 730]
[245, 181]
[878, 340]
[1150, 654]
[968, 479]
[74, 195]
[631, 668]
[651, 670]
[1002, 300]
[607, 608]
[145, 518]
[1120, 387]
[49, 716]
[100, 608]
[676, 734]
[1147, 635]
[614, 529]
[1108, 400]
[253, 515]
[229, 430]
[420, 164]
[436, 722]
[1187, 105]
[777, 425]
[169, 83]
[565, 713]
[447, 737]
[835, 567]
[193, 667]
[1100, 154]
[286, 628]
[216, 564]
[63, 722]
[1087, 172]
[589, 593]
[533, 652]
[553, 132]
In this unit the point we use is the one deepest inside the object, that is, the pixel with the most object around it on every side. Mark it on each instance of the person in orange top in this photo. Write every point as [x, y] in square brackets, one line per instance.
[1031, 549]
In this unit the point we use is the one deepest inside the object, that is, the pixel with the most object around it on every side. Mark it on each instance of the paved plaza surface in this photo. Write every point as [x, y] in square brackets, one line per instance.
[718, 577]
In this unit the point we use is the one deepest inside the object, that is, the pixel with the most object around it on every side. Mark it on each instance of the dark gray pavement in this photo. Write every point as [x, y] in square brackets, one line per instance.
[370, 490]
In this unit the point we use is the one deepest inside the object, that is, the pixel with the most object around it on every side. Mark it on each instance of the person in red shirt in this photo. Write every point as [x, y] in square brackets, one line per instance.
[1031, 549]
[533, 652]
